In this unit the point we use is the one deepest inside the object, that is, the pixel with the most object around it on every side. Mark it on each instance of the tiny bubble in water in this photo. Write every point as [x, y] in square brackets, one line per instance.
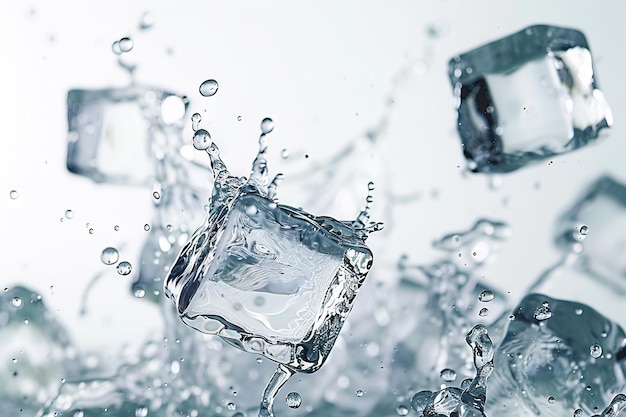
[201, 140]
[208, 88]
[595, 350]
[267, 125]
[69, 214]
[486, 296]
[109, 256]
[13, 194]
[16, 302]
[124, 268]
[147, 21]
[448, 375]
[551, 400]
[293, 400]
[483, 312]
[402, 410]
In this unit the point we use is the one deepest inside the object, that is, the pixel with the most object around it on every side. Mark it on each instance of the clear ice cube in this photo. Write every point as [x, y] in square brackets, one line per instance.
[527, 97]
[270, 279]
[112, 132]
[538, 359]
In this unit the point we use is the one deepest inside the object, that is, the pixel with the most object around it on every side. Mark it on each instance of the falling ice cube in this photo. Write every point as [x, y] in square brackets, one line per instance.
[113, 132]
[539, 359]
[527, 97]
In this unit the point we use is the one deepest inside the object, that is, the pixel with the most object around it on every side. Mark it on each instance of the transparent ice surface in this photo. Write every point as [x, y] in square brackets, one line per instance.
[527, 97]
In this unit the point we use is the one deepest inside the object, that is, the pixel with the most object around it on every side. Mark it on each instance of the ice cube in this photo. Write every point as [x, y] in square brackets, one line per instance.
[112, 132]
[538, 359]
[527, 97]
[270, 279]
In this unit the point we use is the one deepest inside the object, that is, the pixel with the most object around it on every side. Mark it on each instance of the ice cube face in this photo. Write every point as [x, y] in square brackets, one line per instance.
[539, 358]
[270, 279]
[112, 131]
[527, 97]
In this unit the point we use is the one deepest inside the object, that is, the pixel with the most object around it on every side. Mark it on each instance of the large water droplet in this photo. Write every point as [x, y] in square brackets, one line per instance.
[293, 400]
[486, 296]
[109, 256]
[208, 88]
[124, 268]
[448, 374]
[201, 140]
[16, 302]
[578, 412]
[13, 194]
[267, 125]
[595, 350]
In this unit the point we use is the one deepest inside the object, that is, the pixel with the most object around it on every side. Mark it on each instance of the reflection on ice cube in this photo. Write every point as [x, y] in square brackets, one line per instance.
[527, 97]
[114, 133]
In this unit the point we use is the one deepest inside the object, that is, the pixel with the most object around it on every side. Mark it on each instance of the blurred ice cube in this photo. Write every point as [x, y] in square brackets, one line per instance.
[112, 132]
[539, 359]
[527, 97]
[271, 280]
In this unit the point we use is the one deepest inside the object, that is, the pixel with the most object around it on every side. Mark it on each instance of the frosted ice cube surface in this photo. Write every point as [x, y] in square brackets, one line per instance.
[527, 97]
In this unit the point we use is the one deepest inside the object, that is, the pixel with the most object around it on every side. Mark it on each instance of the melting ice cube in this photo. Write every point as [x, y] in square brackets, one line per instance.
[539, 359]
[113, 132]
[527, 97]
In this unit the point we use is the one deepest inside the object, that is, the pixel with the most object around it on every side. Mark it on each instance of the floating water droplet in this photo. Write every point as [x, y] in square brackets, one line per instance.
[293, 400]
[578, 311]
[402, 410]
[13, 194]
[140, 293]
[201, 140]
[448, 374]
[126, 44]
[109, 256]
[259, 360]
[483, 312]
[16, 302]
[156, 195]
[578, 412]
[551, 400]
[595, 350]
[231, 406]
[196, 118]
[208, 88]
[69, 214]
[124, 268]
[486, 296]
[543, 312]
[91, 231]
[116, 228]
[360, 392]
[284, 154]
[146, 227]
[267, 125]
[584, 230]
[147, 21]
[115, 47]
[141, 412]
[239, 118]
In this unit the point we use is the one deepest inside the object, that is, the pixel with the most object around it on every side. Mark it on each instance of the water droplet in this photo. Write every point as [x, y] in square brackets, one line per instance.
[448, 374]
[486, 296]
[551, 400]
[141, 412]
[578, 412]
[109, 256]
[146, 227]
[196, 118]
[578, 311]
[284, 154]
[584, 230]
[483, 312]
[543, 312]
[13, 194]
[259, 360]
[267, 125]
[147, 21]
[595, 350]
[156, 195]
[16, 302]
[239, 118]
[124, 268]
[251, 210]
[201, 140]
[116, 228]
[512, 317]
[116, 48]
[91, 231]
[293, 400]
[140, 293]
[360, 392]
[402, 410]
[69, 214]
[79, 413]
[208, 88]
[126, 45]
[231, 406]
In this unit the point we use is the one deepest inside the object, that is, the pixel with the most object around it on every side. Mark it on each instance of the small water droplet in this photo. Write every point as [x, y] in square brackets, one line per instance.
[231, 406]
[140, 293]
[448, 374]
[551, 400]
[126, 44]
[124, 268]
[109, 256]
[543, 312]
[584, 230]
[146, 227]
[595, 350]
[91, 231]
[512, 317]
[208, 88]
[69, 214]
[156, 195]
[402, 410]
[16, 302]
[293, 400]
[486, 296]
[360, 392]
[267, 125]
[147, 21]
[578, 412]
[201, 140]
[116, 228]
[578, 311]
[196, 118]
[13, 194]
[284, 153]
[483, 312]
